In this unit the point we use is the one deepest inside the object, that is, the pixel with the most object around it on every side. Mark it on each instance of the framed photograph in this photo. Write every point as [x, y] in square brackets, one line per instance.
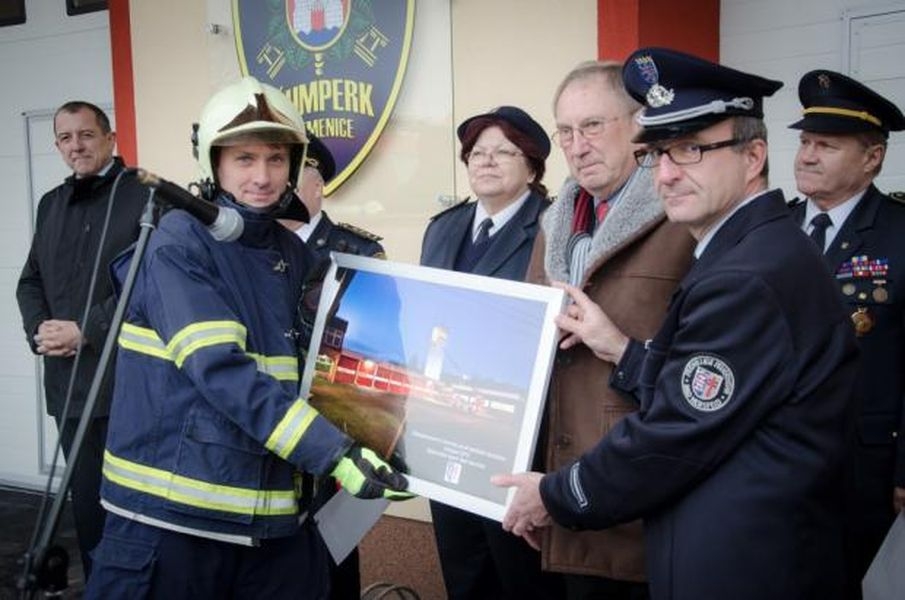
[444, 374]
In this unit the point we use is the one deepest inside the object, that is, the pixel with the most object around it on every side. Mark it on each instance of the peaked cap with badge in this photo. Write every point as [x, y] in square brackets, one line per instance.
[327, 235]
[320, 158]
[834, 103]
[683, 94]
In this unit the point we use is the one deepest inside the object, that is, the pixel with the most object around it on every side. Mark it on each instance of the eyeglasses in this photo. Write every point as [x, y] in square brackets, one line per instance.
[684, 153]
[590, 129]
[499, 155]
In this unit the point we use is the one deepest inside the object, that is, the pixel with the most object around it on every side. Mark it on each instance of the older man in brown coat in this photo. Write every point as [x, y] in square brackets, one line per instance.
[607, 234]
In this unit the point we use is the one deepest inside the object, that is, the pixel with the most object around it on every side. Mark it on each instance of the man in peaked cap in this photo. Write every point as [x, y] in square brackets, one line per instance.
[844, 132]
[320, 233]
[734, 457]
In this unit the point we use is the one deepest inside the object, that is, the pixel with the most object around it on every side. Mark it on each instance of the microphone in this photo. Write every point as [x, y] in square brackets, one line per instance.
[225, 224]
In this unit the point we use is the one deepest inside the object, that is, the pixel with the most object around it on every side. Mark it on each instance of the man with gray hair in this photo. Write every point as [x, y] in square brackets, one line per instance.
[607, 233]
[735, 456]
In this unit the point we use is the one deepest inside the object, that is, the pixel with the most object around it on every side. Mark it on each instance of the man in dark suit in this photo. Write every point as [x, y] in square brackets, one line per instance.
[320, 233]
[735, 455]
[843, 141]
[54, 286]
[505, 152]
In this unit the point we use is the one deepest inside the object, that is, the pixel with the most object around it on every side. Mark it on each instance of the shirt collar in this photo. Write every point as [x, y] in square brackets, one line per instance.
[616, 196]
[305, 231]
[708, 237]
[500, 218]
[838, 214]
[102, 172]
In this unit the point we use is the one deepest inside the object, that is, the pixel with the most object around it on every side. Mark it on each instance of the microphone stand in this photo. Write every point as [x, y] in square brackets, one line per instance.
[45, 566]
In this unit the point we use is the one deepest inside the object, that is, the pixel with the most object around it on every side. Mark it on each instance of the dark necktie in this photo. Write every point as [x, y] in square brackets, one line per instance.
[483, 231]
[819, 223]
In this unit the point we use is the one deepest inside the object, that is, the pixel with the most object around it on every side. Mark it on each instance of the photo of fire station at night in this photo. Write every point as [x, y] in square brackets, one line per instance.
[404, 358]
[346, 367]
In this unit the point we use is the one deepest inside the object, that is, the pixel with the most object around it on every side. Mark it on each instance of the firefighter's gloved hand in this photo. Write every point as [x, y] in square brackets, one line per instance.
[363, 474]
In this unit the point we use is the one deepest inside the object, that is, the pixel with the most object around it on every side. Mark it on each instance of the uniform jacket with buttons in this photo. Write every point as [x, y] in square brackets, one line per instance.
[875, 230]
[56, 276]
[207, 431]
[510, 250]
[734, 457]
[637, 260]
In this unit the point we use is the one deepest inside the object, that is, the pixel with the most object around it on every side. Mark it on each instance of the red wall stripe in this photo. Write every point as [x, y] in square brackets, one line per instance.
[626, 25]
[123, 83]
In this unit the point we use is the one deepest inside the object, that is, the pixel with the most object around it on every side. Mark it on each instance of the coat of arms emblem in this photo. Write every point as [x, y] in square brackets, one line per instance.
[341, 62]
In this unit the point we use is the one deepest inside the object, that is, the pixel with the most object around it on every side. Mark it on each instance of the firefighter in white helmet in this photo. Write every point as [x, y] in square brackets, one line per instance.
[208, 439]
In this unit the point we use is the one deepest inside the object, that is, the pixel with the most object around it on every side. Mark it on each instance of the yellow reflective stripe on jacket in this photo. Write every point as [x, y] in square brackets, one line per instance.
[146, 341]
[291, 428]
[284, 368]
[201, 335]
[143, 340]
[198, 493]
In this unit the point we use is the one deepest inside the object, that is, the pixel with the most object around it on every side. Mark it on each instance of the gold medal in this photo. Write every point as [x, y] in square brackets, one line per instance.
[862, 321]
[848, 289]
[880, 294]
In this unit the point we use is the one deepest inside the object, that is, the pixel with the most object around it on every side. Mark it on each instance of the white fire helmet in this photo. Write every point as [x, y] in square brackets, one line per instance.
[249, 111]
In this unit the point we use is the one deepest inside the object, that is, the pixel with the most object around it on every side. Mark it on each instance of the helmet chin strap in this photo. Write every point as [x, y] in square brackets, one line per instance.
[289, 206]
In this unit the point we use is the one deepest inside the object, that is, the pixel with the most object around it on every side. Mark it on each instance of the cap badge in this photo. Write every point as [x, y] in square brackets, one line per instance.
[823, 80]
[657, 95]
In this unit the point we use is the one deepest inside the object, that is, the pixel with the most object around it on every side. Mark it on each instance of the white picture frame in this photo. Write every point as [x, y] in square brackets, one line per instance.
[443, 373]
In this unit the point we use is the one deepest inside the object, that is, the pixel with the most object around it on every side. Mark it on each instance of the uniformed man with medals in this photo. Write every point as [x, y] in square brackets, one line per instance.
[844, 134]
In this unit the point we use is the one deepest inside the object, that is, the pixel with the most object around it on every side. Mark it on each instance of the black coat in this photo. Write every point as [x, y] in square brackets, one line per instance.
[478, 558]
[875, 229]
[734, 459]
[55, 279]
[510, 251]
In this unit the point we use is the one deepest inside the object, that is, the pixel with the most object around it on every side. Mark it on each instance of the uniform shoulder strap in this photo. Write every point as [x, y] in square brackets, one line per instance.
[364, 233]
[453, 208]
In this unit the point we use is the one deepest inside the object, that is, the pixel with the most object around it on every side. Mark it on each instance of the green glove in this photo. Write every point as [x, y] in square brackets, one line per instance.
[363, 474]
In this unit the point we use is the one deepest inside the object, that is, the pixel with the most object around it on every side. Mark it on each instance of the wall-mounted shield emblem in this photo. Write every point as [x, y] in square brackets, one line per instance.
[341, 62]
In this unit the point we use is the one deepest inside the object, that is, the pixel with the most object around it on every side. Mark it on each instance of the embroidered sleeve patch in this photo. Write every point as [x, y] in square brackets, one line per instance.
[707, 382]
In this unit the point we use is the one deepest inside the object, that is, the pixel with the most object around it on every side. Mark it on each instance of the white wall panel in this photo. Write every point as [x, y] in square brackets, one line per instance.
[783, 40]
[49, 59]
